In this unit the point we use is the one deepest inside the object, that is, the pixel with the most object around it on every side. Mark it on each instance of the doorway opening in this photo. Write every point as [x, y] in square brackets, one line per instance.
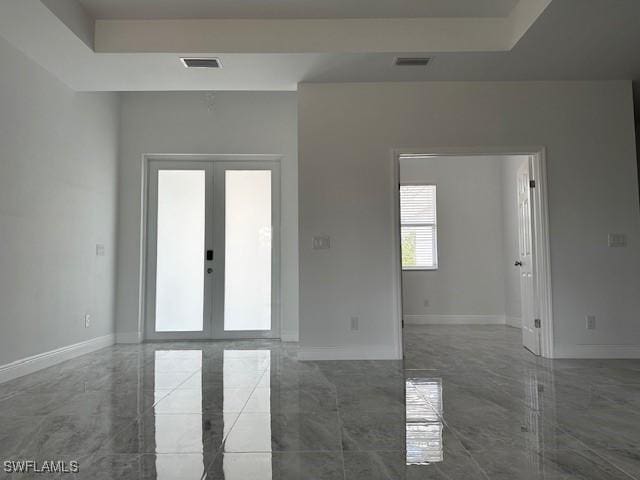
[212, 248]
[473, 247]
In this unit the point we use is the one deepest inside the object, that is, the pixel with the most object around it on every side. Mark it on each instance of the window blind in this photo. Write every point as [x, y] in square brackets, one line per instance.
[418, 226]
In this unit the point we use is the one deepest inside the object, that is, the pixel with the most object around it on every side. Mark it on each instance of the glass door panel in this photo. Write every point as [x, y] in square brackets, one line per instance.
[180, 259]
[246, 200]
[247, 285]
[179, 284]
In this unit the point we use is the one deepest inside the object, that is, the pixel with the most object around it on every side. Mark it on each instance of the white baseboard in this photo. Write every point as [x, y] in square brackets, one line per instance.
[289, 336]
[128, 337]
[355, 352]
[454, 319]
[513, 321]
[37, 362]
[597, 351]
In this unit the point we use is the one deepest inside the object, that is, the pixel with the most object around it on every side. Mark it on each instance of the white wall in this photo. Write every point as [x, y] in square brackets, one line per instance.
[346, 134]
[509, 177]
[58, 174]
[468, 286]
[233, 123]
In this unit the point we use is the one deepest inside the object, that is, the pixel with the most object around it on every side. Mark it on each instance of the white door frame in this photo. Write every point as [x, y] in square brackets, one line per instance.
[541, 244]
[145, 325]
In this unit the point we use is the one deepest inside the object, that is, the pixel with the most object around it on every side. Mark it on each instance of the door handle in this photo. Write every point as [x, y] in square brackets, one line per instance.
[518, 263]
[209, 270]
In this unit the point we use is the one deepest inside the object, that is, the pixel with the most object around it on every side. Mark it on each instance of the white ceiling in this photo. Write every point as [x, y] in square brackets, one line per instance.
[570, 40]
[165, 9]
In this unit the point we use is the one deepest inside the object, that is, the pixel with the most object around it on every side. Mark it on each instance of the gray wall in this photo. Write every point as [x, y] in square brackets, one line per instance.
[58, 192]
[346, 135]
[233, 123]
[469, 279]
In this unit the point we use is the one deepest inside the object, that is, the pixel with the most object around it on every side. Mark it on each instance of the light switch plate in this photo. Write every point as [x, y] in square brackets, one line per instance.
[617, 240]
[321, 242]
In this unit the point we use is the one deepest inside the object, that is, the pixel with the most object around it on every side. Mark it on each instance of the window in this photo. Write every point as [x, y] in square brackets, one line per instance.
[418, 227]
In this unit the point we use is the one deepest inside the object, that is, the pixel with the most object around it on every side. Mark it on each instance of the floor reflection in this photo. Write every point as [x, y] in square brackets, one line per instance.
[185, 398]
[424, 421]
[534, 442]
[171, 369]
[252, 429]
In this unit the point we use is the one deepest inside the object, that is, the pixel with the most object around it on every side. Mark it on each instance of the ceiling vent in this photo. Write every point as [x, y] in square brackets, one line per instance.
[412, 61]
[201, 62]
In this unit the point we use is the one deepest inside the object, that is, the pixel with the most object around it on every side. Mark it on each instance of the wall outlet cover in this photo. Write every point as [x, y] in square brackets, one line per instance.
[617, 240]
[87, 321]
[591, 322]
[321, 242]
[355, 323]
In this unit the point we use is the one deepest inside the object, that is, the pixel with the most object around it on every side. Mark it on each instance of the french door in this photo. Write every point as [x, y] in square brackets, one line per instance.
[213, 250]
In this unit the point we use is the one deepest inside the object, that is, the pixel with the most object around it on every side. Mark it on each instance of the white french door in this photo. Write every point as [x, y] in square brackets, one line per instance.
[213, 250]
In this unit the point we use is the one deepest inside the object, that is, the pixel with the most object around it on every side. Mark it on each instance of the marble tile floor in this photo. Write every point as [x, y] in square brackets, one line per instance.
[468, 403]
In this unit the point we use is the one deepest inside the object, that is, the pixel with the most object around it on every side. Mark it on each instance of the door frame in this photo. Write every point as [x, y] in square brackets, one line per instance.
[543, 302]
[191, 160]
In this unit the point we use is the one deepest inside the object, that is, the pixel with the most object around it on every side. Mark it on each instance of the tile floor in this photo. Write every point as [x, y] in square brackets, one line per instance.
[471, 403]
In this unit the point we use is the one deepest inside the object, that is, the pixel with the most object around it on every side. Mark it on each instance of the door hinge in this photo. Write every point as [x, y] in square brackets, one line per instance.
[536, 323]
[402, 322]
[532, 183]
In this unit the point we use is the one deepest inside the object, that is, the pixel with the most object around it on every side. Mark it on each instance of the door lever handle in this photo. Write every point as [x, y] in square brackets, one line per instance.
[209, 270]
[518, 263]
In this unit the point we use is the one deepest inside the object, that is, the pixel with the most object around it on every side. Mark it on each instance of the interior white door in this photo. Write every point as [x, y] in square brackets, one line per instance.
[530, 334]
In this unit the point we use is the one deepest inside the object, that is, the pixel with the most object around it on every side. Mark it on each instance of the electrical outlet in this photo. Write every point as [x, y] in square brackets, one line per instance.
[99, 250]
[591, 322]
[426, 303]
[355, 321]
[87, 321]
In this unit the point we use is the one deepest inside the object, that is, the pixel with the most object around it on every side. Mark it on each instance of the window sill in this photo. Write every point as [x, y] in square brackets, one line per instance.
[419, 269]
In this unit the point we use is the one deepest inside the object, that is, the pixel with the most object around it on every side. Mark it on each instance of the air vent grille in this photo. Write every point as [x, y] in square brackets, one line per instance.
[201, 62]
[412, 61]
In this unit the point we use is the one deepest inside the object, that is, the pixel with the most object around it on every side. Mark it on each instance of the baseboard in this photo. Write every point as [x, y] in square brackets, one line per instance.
[128, 337]
[454, 319]
[37, 362]
[355, 352]
[289, 336]
[515, 322]
[597, 351]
